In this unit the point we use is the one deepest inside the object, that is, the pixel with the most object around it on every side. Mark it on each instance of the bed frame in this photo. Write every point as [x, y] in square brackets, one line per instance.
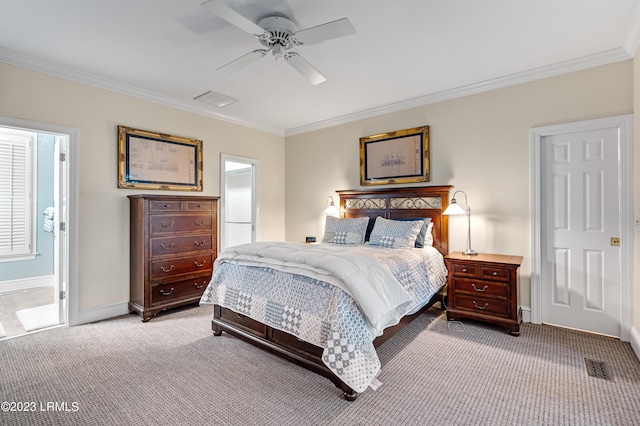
[396, 203]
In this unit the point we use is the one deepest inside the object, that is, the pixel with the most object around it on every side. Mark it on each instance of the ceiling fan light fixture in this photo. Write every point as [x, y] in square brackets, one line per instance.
[216, 99]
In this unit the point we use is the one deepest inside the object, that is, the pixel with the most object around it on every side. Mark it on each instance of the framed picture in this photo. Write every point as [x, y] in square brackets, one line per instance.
[395, 157]
[151, 160]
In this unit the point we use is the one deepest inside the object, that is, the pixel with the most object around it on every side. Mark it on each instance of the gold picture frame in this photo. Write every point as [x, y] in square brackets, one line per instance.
[395, 157]
[152, 160]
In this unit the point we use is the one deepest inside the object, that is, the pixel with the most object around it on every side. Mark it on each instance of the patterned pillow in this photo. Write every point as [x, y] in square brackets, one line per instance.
[395, 233]
[345, 231]
[425, 236]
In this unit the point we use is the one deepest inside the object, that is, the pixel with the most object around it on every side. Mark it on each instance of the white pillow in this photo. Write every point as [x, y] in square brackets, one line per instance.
[395, 233]
[428, 237]
[345, 231]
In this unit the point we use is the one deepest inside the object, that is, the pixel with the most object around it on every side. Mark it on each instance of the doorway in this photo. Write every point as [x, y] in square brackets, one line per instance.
[238, 205]
[37, 287]
[582, 237]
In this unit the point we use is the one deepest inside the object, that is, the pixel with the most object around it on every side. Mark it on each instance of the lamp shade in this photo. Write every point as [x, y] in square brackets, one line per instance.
[454, 208]
[332, 210]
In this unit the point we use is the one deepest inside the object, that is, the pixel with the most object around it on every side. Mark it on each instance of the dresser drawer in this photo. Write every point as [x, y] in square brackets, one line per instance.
[496, 273]
[165, 293]
[165, 206]
[160, 269]
[482, 305]
[198, 206]
[167, 224]
[243, 321]
[176, 245]
[480, 287]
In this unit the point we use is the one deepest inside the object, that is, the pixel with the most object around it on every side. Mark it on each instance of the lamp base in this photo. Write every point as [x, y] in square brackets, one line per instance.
[470, 252]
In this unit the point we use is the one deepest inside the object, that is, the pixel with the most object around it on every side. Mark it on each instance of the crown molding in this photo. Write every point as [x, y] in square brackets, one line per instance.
[603, 58]
[599, 59]
[632, 41]
[35, 64]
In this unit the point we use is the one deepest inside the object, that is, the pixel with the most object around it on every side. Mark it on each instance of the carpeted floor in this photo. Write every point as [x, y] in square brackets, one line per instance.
[173, 371]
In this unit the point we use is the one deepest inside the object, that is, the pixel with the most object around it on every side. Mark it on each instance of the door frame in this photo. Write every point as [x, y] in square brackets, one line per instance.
[72, 189]
[624, 123]
[254, 193]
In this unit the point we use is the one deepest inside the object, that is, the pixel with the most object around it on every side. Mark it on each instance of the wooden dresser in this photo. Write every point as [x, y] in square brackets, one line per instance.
[174, 242]
[485, 288]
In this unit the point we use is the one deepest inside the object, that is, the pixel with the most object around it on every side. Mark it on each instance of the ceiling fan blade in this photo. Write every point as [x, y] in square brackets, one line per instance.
[305, 68]
[334, 29]
[243, 61]
[223, 11]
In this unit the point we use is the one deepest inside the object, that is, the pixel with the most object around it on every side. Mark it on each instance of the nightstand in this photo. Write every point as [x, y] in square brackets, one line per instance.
[485, 288]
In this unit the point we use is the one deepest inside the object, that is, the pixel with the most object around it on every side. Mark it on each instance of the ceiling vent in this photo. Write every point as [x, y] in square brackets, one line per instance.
[214, 98]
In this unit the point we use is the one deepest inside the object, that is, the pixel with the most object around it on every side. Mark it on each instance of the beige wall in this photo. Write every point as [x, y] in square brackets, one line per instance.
[479, 143]
[104, 209]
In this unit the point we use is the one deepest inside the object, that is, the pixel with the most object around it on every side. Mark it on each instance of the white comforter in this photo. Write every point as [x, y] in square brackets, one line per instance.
[380, 296]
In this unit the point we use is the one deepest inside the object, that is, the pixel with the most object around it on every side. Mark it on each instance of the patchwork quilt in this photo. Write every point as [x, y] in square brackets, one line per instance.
[277, 284]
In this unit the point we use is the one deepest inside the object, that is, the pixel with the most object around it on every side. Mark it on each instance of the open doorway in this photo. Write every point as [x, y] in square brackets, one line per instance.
[238, 201]
[34, 273]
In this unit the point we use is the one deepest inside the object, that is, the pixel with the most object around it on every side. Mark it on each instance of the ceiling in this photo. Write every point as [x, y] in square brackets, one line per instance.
[404, 52]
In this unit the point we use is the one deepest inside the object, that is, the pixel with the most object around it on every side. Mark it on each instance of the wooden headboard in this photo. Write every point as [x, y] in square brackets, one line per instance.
[396, 203]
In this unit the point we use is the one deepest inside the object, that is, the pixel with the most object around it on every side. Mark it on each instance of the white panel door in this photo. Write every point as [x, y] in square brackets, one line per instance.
[580, 220]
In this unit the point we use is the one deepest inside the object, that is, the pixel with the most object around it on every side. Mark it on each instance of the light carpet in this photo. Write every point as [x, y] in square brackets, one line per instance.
[38, 317]
[173, 371]
[3, 333]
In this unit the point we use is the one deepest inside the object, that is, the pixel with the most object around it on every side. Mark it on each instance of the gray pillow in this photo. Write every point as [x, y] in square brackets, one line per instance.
[395, 233]
[345, 231]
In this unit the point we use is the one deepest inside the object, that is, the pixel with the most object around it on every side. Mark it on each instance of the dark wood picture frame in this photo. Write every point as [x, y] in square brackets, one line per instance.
[159, 161]
[401, 156]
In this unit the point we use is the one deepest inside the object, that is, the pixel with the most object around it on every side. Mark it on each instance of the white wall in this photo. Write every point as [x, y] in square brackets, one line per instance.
[104, 209]
[479, 144]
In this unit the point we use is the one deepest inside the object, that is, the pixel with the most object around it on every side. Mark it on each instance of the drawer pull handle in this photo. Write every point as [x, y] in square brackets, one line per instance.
[199, 223]
[200, 265]
[166, 206]
[200, 244]
[167, 247]
[240, 316]
[478, 289]
[166, 270]
[166, 225]
[166, 293]
[464, 269]
[199, 286]
[199, 206]
[494, 274]
[480, 307]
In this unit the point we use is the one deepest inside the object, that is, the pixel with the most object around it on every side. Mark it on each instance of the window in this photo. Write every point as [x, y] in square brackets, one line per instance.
[17, 238]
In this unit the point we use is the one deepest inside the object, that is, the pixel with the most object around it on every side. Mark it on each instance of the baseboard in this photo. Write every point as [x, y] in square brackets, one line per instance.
[26, 283]
[635, 341]
[103, 312]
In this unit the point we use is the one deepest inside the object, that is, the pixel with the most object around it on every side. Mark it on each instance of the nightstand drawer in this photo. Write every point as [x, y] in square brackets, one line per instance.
[496, 273]
[465, 270]
[482, 305]
[480, 287]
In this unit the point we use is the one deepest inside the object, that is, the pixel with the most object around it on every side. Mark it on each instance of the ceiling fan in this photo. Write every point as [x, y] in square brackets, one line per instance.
[279, 35]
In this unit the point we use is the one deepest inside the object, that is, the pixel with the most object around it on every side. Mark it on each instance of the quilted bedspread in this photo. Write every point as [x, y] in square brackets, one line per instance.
[336, 297]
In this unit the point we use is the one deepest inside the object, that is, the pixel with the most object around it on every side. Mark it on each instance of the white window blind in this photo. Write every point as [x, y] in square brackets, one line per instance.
[16, 229]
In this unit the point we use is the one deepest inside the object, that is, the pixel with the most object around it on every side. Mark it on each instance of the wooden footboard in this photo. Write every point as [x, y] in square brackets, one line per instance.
[290, 347]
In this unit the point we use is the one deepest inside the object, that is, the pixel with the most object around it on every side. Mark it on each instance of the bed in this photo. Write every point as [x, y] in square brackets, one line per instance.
[327, 306]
